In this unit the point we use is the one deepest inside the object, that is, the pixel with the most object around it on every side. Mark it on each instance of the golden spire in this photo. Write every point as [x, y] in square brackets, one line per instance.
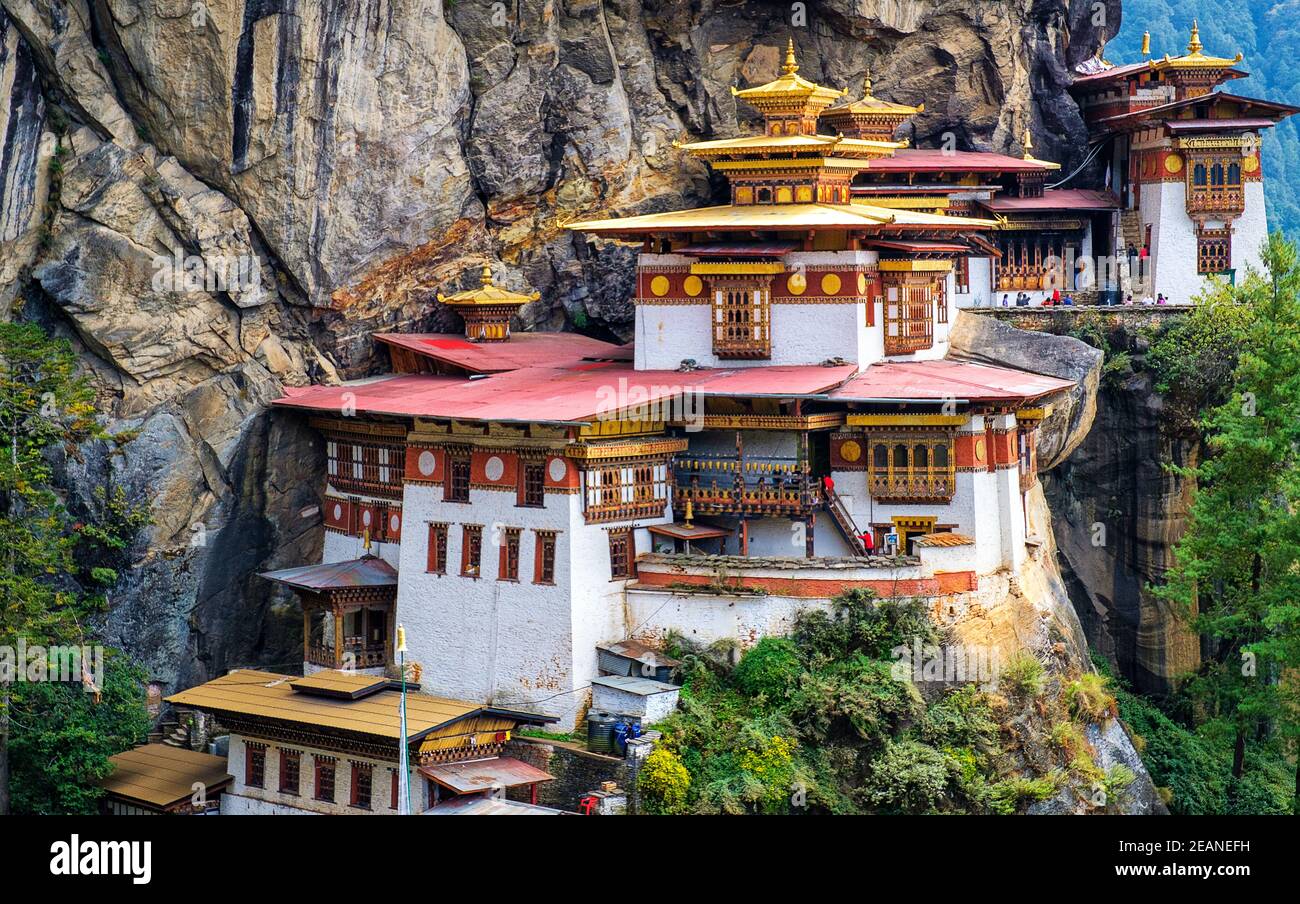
[866, 84]
[1195, 45]
[1028, 143]
[1146, 43]
[791, 65]
[487, 275]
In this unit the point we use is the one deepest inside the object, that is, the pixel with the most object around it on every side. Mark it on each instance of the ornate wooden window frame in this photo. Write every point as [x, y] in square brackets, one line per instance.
[741, 315]
[917, 467]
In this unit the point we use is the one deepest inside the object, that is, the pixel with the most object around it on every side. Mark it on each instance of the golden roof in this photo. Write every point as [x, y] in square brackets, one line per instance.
[777, 217]
[789, 87]
[827, 144]
[1027, 142]
[157, 775]
[1195, 58]
[266, 695]
[488, 294]
[871, 105]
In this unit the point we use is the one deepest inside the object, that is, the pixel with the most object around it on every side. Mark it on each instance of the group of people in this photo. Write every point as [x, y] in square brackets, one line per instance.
[1056, 298]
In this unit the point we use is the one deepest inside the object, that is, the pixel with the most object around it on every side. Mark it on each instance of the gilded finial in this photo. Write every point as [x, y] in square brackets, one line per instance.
[690, 514]
[1146, 44]
[1195, 45]
[365, 541]
[866, 84]
[791, 64]
[1028, 143]
[487, 275]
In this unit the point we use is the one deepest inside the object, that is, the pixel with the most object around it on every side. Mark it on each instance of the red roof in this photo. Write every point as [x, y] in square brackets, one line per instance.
[519, 351]
[1057, 199]
[945, 380]
[926, 160]
[368, 571]
[579, 393]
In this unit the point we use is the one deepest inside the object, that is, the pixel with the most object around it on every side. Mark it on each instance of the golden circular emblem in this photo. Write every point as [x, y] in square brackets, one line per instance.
[1249, 164]
[796, 283]
[693, 285]
[1173, 163]
[830, 284]
[979, 449]
[862, 284]
[659, 285]
[850, 450]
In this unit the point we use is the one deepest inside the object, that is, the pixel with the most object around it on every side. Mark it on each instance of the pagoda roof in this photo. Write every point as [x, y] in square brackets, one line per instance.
[574, 395]
[368, 571]
[826, 144]
[521, 350]
[937, 160]
[944, 380]
[778, 217]
[1097, 71]
[1264, 109]
[790, 85]
[489, 293]
[870, 105]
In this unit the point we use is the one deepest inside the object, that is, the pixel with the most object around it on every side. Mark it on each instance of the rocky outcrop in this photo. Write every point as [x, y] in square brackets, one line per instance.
[983, 340]
[1118, 511]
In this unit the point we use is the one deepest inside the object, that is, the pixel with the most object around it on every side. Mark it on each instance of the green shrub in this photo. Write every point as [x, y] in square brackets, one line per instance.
[771, 669]
[1024, 675]
[1088, 698]
[908, 777]
[1009, 794]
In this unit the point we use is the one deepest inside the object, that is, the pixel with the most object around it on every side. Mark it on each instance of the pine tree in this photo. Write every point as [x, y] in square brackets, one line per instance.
[1237, 567]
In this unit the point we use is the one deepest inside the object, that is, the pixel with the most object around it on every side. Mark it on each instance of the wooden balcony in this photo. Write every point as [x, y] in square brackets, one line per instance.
[748, 485]
[355, 654]
[919, 486]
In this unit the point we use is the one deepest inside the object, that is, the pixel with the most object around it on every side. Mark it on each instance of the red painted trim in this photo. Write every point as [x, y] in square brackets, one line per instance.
[940, 584]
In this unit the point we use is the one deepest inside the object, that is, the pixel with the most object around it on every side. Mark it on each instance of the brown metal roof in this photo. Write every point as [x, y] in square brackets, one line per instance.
[346, 686]
[266, 695]
[158, 776]
[635, 649]
[693, 532]
[469, 776]
[368, 571]
[943, 540]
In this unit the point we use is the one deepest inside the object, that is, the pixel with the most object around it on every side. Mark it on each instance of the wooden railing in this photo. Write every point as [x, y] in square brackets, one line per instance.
[355, 653]
[921, 486]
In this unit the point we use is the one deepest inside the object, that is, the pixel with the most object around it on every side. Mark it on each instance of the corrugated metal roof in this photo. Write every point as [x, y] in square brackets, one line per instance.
[632, 684]
[1057, 199]
[519, 351]
[159, 776]
[469, 776]
[368, 571]
[931, 160]
[345, 685]
[943, 380]
[267, 695]
[571, 395]
[636, 650]
[484, 805]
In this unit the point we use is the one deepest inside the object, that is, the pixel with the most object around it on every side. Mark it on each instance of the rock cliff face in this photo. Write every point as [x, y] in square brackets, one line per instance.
[344, 159]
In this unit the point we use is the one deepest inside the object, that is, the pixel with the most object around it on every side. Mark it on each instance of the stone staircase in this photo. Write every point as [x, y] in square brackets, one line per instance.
[1130, 227]
[179, 736]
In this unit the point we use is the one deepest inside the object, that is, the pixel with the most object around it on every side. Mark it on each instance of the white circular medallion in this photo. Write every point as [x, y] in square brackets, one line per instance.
[426, 463]
[338, 512]
[557, 469]
[394, 523]
[365, 519]
[494, 468]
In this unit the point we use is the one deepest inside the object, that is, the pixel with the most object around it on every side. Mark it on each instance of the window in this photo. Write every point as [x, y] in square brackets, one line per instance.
[372, 468]
[911, 467]
[392, 790]
[254, 765]
[324, 778]
[961, 276]
[508, 567]
[1213, 250]
[290, 763]
[622, 554]
[361, 776]
[471, 550]
[457, 486]
[437, 549]
[623, 492]
[532, 489]
[909, 317]
[544, 565]
[941, 298]
[741, 315]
